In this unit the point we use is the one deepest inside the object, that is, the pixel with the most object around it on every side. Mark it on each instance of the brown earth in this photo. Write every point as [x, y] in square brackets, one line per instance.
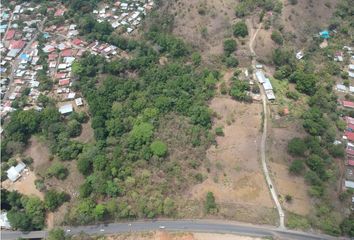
[87, 134]
[162, 235]
[306, 18]
[203, 23]
[38, 151]
[25, 185]
[235, 176]
[279, 162]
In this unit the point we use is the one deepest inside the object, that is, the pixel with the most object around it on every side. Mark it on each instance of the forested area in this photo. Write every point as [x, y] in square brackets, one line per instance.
[151, 125]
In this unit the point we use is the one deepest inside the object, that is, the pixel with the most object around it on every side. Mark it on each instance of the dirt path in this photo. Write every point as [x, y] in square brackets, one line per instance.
[264, 138]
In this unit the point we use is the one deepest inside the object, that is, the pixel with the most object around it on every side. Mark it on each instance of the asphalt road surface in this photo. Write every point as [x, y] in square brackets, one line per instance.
[210, 226]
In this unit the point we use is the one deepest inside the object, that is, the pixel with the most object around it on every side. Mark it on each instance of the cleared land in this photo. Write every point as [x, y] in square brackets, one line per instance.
[233, 171]
[162, 235]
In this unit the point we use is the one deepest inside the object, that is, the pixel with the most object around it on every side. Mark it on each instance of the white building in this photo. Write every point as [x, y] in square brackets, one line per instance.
[4, 222]
[67, 108]
[14, 173]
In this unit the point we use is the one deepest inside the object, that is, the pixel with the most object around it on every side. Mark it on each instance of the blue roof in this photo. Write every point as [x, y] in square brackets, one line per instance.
[324, 34]
[24, 56]
[46, 35]
[3, 26]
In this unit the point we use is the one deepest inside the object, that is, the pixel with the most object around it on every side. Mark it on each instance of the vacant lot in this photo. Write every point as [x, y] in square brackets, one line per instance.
[178, 236]
[24, 185]
[306, 18]
[279, 161]
[86, 135]
[234, 174]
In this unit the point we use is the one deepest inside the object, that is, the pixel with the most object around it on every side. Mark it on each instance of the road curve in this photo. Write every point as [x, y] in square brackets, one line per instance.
[271, 186]
[210, 226]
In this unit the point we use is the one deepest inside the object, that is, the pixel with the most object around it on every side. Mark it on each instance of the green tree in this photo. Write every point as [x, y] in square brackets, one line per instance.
[229, 46]
[57, 170]
[347, 226]
[201, 115]
[54, 199]
[297, 147]
[99, 211]
[240, 29]
[34, 209]
[210, 204]
[158, 148]
[297, 167]
[19, 220]
[56, 234]
[141, 134]
[277, 37]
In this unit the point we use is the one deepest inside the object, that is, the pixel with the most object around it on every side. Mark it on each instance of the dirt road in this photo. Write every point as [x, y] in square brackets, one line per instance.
[271, 186]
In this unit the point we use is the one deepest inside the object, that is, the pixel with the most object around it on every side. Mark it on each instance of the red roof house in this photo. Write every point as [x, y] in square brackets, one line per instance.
[10, 34]
[66, 53]
[17, 44]
[64, 82]
[348, 104]
[351, 162]
[52, 56]
[349, 135]
[349, 120]
[350, 151]
[60, 75]
[77, 41]
[59, 12]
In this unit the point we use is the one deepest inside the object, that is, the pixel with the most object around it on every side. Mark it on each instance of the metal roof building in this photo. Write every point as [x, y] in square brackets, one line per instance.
[13, 173]
[67, 108]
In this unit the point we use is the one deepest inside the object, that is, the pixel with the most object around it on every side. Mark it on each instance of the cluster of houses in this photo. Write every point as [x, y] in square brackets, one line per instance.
[262, 79]
[125, 14]
[339, 57]
[19, 54]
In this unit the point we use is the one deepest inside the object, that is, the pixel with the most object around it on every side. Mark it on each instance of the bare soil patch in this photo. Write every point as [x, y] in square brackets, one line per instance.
[163, 235]
[306, 18]
[203, 23]
[87, 134]
[38, 151]
[279, 162]
[235, 176]
[25, 185]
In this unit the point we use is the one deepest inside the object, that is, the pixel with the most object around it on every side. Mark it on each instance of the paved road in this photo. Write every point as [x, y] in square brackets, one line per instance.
[271, 186]
[211, 226]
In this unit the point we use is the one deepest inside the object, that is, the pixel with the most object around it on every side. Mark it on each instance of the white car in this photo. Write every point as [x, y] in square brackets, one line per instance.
[162, 227]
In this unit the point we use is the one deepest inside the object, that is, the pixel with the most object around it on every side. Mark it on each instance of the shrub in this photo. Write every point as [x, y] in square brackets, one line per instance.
[297, 167]
[231, 61]
[219, 131]
[277, 37]
[292, 95]
[288, 198]
[210, 205]
[57, 170]
[158, 148]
